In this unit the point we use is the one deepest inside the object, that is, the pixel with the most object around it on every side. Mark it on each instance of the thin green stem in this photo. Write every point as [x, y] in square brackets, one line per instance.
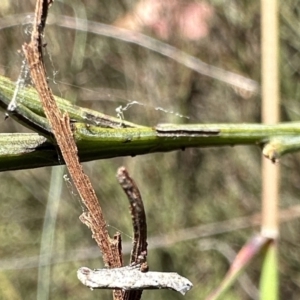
[113, 137]
[21, 151]
[28, 98]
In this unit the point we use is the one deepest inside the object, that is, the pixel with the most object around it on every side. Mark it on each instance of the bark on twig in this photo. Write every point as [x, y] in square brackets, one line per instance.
[131, 278]
[139, 249]
[60, 124]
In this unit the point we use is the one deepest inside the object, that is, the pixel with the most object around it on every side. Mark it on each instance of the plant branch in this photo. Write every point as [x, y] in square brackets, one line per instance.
[139, 251]
[23, 151]
[99, 136]
[60, 124]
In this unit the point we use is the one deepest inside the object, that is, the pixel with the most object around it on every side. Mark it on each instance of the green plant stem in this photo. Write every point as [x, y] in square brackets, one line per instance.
[21, 151]
[29, 103]
[113, 137]
[269, 279]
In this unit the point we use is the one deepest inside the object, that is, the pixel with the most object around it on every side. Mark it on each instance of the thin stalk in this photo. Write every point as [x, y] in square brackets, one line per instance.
[22, 151]
[270, 113]
[269, 285]
[99, 136]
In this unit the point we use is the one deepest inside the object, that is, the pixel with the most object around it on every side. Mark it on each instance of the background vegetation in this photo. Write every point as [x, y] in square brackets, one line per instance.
[181, 190]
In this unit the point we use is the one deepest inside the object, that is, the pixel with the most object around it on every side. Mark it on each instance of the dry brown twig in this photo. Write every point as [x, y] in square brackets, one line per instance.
[60, 124]
[139, 250]
[135, 277]
[93, 217]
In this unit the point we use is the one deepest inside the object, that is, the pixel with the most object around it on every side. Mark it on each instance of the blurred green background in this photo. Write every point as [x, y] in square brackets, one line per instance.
[186, 190]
